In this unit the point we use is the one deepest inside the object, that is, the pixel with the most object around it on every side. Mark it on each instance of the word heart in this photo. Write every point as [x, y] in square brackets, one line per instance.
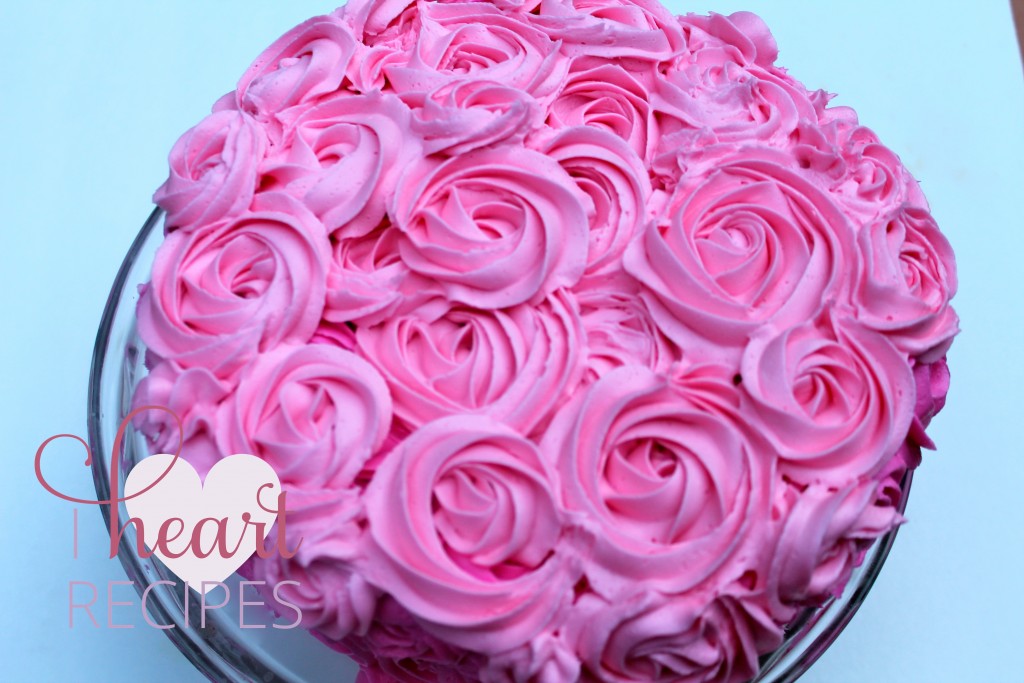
[206, 529]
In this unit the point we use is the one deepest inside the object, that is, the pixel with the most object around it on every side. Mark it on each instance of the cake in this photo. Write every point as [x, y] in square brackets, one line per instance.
[588, 344]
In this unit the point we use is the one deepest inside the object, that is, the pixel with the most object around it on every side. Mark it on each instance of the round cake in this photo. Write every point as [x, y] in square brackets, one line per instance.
[588, 344]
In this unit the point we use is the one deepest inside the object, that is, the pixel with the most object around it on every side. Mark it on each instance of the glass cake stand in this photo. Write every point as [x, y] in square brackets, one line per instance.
[225, 652]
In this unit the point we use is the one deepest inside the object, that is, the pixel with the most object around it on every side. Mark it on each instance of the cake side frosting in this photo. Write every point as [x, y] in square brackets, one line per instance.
[588, 343]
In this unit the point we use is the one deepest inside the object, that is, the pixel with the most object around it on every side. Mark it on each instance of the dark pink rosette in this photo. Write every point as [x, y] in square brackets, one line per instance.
[315, 413]
[908, 281]
[659, 475]
[649, 637]
[343, 158]
[834, 398]
[213, 171]
[751, 242]
[396, 648]
[548, 658]
[741, 37]
[876, 183]
[493, 228]
[514, 365]
[303, 64]
[223, 292]
[474, 552]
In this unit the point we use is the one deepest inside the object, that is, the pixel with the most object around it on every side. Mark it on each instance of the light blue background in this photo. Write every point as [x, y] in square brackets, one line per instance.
[94, 94]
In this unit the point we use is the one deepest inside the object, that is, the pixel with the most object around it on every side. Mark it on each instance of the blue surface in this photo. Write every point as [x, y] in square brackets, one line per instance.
[95, 93]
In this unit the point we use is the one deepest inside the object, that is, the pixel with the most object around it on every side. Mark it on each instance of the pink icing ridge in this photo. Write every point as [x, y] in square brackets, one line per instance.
[588, 343]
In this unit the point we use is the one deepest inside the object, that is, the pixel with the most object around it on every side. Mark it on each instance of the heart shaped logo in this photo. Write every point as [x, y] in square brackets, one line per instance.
[200, 528]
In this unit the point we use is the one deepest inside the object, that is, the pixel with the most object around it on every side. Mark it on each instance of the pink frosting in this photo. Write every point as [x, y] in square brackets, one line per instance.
[589, 345]
[512, 364]
[749, 243]
[316, 413]
[223, 292]
[658, 477]
[649, 637]
[308, 61]
[213, 170]
[342, 159]
[493, 228]
[834, 399]
[473, 550]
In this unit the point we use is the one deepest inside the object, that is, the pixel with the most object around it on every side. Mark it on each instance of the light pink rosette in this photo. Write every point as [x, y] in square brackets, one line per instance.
[876, 183]
[612, 29]
[749, 243]
[908, 281]
[322, 528]
[343, 158]
[620, 331]
[478, 40]
[462, 116]
[224, 292]
[834, 398]
[548, 658]
[741, 37]
[608, 97]
[213, 171]
[660, 476]
[193, 396]
[367, 281]
[615, 180]
[474, 549]
[825, 534]
[698, 108]
[303, 64]
[315, 413]
[653, 638]
[493, 228]
[514, 365]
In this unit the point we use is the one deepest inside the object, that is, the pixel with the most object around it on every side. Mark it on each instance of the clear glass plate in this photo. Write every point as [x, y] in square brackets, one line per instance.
[225, 652]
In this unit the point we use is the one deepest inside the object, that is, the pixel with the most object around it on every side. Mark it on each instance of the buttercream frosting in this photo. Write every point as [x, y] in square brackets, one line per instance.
[588, 343]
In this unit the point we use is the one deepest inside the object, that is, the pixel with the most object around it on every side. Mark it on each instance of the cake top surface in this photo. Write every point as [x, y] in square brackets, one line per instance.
[587, 342]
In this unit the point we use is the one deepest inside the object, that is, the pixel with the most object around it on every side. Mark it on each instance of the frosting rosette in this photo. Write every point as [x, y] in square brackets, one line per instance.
[473, 549]
[223, 292]
[493, 228]
[309, 61]
[214, 170]
[513, 365]
[342, 159]
[908, 283]
[324, 536]
[651, 638]
[749, 243]
[661, 477]
[589, 345]
[834, 400]
[316, 413]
